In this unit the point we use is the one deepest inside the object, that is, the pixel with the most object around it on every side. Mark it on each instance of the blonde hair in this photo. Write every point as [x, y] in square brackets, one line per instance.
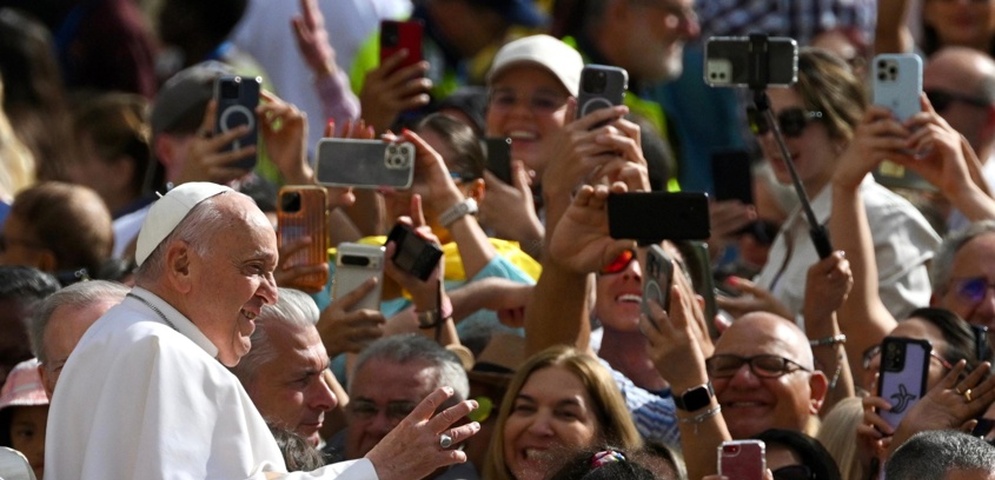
[614, 422]
[839, 435]
[17, 163]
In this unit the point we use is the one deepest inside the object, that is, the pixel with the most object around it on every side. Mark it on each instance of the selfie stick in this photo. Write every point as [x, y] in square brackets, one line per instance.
[758, 77]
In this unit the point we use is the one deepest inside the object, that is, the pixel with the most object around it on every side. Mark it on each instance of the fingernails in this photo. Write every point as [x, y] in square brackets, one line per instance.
[475, 426]
[448, 390]
[732, 281]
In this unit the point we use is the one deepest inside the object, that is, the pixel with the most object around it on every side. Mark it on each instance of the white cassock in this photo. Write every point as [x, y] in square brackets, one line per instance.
[142, 399]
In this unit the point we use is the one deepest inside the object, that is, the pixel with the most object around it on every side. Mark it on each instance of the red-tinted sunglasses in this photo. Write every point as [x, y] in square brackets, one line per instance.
[619, 263]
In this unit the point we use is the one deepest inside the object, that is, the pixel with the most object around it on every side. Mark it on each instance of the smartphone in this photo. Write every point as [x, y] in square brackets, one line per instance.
[498, 151]
[601, 86]
[651, 217]
[237, 99]
[743, 459]
[356, 263]
[699, 268]
[902, 375]
[359, 163]
[413, 254]
[732, 175]
[897, 85]
[401, 35]
[897, 79]
[302, 211]
[729, 63]
[658, 274]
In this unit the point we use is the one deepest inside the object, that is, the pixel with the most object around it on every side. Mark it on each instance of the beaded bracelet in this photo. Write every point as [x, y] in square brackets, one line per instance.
[833, 341]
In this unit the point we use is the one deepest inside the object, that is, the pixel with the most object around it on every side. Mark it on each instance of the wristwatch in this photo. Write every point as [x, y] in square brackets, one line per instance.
[695, 398]
[466, 207]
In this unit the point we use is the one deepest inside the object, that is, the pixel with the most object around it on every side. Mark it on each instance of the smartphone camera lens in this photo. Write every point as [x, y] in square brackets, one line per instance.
[595, 81]
[732, 449]
[355, 260]
[290, 202]
[230, 89]
[390, 36]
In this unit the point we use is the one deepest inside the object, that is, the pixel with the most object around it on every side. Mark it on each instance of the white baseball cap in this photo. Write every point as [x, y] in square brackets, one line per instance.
[545, 51]
[168, 211]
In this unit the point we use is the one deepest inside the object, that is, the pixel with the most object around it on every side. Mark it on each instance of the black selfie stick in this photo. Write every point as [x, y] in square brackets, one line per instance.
[758, 78]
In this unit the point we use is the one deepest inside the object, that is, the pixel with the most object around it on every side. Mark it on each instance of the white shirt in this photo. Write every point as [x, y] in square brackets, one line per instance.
[142, 399]
[903, 243]
[265, 32]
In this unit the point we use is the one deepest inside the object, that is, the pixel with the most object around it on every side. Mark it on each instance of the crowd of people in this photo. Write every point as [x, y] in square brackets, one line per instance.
[153, 321]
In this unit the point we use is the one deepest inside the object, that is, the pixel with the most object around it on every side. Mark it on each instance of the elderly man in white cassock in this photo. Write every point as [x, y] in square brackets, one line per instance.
[146, 395]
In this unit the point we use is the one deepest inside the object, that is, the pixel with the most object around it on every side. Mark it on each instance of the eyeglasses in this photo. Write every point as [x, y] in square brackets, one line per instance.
[366, 410]
[6, 242]
[791, 121]
[875, 351]
[971, 289]
[619, 263]
[542, 102]
[763, 366]
[941, 99]
[793, 472]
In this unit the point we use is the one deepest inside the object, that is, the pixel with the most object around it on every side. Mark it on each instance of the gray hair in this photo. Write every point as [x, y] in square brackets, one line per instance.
[293, 309]
[944, 259]
[199, 225]
[412, 347]
[930, 455]
[76, 296]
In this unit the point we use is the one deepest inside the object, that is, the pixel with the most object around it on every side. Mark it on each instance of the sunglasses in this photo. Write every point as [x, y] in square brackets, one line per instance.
[941, 99]
[619, 263]
[762, 366]
[793, 472]
[791, 121]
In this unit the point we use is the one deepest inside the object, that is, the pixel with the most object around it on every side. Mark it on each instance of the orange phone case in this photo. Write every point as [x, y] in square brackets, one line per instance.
[302, 211]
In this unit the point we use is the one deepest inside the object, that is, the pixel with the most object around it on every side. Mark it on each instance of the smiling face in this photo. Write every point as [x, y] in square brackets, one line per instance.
[751, 404]
[229, 280]
[553, 412]
[290, 389]
[618, 298]
[813, 152]
[528, 104]
[381, 394]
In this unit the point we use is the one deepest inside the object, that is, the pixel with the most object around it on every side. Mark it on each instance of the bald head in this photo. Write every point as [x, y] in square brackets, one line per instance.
[967, 78]
[773, 334]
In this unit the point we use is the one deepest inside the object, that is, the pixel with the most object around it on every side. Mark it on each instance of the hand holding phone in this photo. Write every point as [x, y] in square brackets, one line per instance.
[743, 459]
[728, 62]
[658, 276]
[355, 263]
[237, 98]
[498, 150]
[904, 368]
[401, 35]
[413, 254]
[302, 212]
[651, 217]
[363, 163]
[897, 79]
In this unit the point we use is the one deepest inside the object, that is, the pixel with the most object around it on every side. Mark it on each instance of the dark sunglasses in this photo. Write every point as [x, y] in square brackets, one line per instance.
[791, 121]
[972, 289]
[619, 263]
[941, 99]
[793, 472]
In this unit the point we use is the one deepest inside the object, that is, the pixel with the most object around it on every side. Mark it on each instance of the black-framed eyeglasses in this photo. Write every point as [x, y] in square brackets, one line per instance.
[793, 472]
[791, 121]
[972, 289]
[941, 99]
[763, 366]
[875, 350]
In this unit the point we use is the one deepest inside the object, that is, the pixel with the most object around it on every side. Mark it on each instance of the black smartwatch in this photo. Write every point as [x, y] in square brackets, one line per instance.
[695, 398]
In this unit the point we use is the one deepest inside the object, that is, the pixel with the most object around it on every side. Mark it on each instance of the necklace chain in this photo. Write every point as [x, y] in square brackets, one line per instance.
[154, 309]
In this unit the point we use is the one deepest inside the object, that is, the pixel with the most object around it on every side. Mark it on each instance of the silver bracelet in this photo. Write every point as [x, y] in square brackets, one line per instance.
[833, 340]
[701, 417]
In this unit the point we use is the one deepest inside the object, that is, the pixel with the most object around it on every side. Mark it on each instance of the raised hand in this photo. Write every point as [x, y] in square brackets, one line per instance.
[344, 330]
[312, 38]
[388, 91]
[208, 158]
[283, 128]
[580, 241]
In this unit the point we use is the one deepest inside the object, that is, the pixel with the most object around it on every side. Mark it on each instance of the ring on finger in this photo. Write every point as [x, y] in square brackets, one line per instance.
[445, 441]
[967, 395]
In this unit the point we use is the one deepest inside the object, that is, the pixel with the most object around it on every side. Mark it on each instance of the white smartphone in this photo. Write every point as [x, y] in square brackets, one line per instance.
[346, 162]
[897, 79]
[354, 264]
